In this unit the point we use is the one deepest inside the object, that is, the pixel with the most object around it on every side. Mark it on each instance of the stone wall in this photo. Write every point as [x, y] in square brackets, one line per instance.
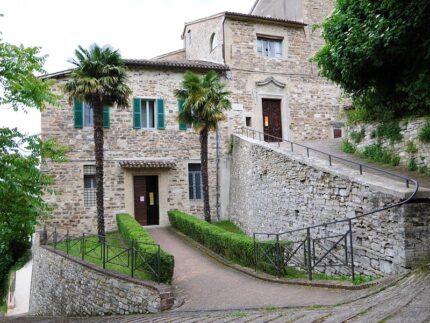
[273, 191]
[198, 39]
[410, 130]
[63, 285]
[309, 103]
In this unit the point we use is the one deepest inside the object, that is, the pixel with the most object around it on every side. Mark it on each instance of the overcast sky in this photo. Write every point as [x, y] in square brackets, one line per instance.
[138, 28]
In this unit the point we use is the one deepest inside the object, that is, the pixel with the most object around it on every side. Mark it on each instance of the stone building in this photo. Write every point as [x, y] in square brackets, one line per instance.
[151, 161]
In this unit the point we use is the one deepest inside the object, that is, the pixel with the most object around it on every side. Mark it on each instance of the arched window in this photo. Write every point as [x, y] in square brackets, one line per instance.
[213, 42]
[189, 36]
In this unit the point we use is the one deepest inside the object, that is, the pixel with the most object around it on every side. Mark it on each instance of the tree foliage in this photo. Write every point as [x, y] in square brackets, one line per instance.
[22, 184]
[205, 101]
[379, 53]
[100, 79]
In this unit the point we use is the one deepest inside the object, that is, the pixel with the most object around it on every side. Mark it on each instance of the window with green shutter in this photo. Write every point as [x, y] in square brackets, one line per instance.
[160, 114]
[106, 117]
[78, 113]
[137, 122]
[84, 115]
[182, 126]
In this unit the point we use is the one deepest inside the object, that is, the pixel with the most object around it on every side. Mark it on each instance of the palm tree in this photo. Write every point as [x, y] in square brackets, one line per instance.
[99, 79]
[204, 102]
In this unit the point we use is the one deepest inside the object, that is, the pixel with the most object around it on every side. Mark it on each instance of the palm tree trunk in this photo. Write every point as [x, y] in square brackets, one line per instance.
[205, 179]
[98, 152]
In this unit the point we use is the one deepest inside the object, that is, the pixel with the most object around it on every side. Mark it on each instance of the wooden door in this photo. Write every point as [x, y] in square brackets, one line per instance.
[146, 210]
[140, 209]
[272, 123]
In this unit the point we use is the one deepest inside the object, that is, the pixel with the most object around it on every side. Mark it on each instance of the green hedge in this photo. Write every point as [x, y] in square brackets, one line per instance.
[236, 247]
[131, 230]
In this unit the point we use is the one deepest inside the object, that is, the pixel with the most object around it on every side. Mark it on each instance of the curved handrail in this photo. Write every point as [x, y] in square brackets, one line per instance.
[330, 156]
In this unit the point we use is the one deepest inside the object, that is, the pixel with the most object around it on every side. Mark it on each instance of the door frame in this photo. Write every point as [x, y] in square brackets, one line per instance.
[285, 113]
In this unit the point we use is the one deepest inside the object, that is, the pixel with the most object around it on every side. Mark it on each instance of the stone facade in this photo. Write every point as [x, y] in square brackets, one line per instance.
[123, 142]
[63, 285]
[410, 130]
[272, 191]
[308, 106]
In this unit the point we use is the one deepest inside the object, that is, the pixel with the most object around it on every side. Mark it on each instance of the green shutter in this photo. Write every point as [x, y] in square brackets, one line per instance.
[79, 113]
[160, 114]
[106, 117]
[137, 122]
[182, 126]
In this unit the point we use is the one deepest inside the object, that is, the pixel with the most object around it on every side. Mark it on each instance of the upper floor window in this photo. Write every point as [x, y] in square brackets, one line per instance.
[148, 113]
[88, 115]
[269, 47]
[213, 41]
[84, 114]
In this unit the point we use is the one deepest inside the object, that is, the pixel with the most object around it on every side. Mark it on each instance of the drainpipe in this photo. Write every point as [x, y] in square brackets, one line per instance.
[217, 173]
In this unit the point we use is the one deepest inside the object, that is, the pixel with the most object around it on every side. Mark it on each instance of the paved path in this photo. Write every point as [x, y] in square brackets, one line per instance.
[332, 146]
[205, 284]
[406, 302]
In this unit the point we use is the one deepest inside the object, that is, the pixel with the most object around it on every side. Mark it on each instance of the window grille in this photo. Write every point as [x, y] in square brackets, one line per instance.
[90, 185]
[195, 181]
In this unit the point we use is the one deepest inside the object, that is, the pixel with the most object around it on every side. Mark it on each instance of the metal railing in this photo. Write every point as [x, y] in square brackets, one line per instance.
[107, 251]
[310, 251]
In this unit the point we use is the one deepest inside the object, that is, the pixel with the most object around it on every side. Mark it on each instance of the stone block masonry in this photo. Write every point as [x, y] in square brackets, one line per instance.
[63, 285]
[272, 191]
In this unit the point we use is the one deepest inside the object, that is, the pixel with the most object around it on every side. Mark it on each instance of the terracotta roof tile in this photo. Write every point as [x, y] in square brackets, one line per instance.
[148, 163]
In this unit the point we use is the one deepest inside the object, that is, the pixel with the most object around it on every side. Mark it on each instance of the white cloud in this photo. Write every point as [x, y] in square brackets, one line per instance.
[138, 28]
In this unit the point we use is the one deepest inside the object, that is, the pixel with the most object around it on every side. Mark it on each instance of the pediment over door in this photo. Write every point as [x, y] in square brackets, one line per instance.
[271, 80]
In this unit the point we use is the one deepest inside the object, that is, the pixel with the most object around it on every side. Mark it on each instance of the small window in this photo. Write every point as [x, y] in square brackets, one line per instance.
[213, 42]
[248, 121]
[148, 113]
[195, 181]
[337, 133]
[269, 47]
[89, 185]
[189, 37]
[88, 115]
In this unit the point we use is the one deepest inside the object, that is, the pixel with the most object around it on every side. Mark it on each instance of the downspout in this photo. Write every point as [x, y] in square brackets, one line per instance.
[217, 174]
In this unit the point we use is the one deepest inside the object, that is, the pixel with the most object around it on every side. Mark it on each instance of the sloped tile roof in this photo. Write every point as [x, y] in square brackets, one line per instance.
[148, 163]
[179, 64]
[176, 63]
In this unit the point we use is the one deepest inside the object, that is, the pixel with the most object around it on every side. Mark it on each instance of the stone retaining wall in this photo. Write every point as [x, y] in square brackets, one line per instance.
[274, 192]
[63, 285]
[410, 131]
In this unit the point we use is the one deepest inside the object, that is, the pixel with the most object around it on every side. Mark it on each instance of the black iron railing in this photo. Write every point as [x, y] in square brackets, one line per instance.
[309, 250]
[106, 250]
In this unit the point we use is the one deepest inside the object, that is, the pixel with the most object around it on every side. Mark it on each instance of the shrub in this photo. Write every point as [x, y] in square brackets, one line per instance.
[411, 148]
[357, 136]
[379, 154]
[424, 134]
[347, 147]
[236, 247]
[131, 230]
[412, 165]
[390, 131]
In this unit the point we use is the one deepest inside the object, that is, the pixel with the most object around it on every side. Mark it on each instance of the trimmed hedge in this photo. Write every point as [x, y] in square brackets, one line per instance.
[236, 247]
[131, 230]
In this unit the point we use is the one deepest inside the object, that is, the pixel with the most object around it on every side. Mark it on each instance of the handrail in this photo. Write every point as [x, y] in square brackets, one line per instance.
[330, 156]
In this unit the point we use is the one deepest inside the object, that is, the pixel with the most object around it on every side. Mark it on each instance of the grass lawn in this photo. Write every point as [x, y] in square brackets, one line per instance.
[228, 226]
[116, 254]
